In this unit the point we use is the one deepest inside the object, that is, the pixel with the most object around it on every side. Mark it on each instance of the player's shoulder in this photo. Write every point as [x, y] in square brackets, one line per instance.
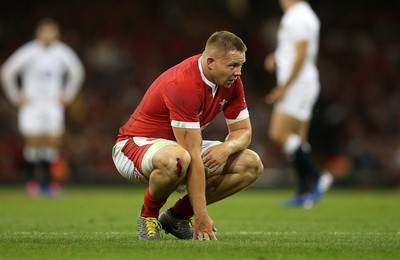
[60, 45]
[300, 15]
[189, 64]
[29, 46]
[300, 10]
[186, 73]
[63, 51]
[25, 51]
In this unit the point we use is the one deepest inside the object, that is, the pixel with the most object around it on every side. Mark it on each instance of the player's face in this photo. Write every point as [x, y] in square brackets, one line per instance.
[284, 4]
[227, 68]
[47, 34]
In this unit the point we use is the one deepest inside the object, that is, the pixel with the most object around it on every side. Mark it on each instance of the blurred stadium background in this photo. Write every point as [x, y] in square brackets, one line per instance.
[125, 44]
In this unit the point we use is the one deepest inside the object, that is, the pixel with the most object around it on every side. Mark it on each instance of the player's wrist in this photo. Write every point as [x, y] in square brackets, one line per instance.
[200, 211]
[232, 146]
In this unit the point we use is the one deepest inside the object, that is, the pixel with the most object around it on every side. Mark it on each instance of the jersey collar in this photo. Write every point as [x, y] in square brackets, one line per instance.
[213, 86]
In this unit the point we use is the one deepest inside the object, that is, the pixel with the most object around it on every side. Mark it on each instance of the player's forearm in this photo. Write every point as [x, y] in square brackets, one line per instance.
[10, 87]
[196, 186]
[74, 84]
[301, 51]
[238, 140]
[190, 139]
[294, 73]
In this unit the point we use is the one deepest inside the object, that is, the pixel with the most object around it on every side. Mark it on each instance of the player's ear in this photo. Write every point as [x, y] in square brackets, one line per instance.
[210, 62]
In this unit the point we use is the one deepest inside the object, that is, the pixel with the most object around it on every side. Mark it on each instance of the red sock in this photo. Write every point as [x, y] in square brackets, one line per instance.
[151, 206]
[182, 208]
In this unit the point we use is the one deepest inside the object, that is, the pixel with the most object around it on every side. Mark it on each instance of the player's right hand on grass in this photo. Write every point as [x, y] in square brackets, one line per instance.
[204, 228]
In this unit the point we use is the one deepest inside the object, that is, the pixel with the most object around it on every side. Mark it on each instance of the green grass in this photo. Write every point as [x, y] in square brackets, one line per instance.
[100, 223]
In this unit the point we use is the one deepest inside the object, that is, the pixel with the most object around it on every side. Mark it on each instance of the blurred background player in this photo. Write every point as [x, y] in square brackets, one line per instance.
[41, 78]
[295, 95]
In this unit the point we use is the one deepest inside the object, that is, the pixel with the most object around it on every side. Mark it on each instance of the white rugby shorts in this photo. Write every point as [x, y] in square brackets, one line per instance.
[133, 157]
[299, 100]
[41, 119]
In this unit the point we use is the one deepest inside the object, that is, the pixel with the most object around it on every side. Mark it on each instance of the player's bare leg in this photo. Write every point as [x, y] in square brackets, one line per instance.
[291, 135]
[283, 125]
[171, 164]
[39, 153]
[241, 170]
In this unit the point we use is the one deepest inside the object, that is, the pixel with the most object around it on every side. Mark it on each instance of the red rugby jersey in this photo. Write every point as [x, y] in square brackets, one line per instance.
[183, 97]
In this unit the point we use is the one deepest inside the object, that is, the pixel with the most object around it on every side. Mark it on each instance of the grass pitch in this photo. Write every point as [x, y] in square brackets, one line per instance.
[100, 223]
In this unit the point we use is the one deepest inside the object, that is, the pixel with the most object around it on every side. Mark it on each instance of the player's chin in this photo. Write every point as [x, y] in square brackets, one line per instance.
[229, 83]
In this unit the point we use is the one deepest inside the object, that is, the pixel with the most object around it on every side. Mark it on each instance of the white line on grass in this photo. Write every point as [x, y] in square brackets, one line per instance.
[276, 233]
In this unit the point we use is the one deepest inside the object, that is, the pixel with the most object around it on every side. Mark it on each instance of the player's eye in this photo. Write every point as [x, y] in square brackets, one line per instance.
[236, 66]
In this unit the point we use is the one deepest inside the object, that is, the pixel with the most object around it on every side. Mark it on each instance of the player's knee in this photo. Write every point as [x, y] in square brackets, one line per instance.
[253, 165]
[182, 162]
[175, 163]
[274, 136]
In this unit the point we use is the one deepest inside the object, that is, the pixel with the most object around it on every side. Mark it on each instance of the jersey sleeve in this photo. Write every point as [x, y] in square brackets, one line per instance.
[11, 68]
[76, 72]
[299, 28]
[184, 105]
[236, 110]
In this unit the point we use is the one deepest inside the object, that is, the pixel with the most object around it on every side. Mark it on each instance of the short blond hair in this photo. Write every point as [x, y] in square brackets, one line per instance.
[47, 21]
[223, 42]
